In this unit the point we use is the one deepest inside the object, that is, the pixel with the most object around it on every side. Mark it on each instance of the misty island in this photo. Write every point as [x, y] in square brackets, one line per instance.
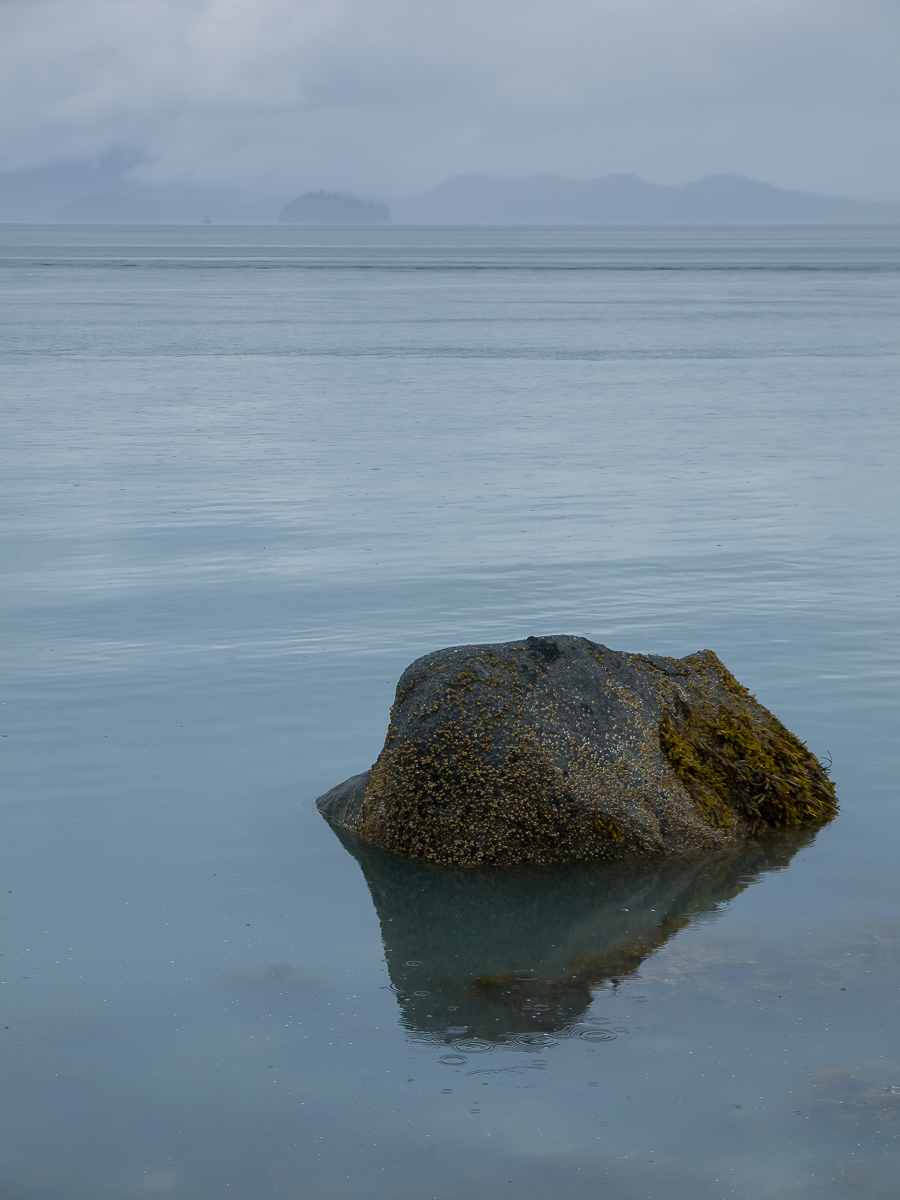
[333, 208]
[558, 749]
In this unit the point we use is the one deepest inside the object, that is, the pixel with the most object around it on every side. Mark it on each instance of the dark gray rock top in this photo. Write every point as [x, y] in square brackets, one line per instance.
[558, 749]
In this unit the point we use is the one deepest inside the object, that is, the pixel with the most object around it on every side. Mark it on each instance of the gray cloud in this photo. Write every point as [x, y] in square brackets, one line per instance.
[389, 96]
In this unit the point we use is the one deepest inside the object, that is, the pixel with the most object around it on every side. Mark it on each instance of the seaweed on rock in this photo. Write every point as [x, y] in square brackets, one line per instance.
[734, 765]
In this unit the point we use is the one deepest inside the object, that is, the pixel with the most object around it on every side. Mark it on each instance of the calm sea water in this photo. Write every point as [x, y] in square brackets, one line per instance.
[249, 475]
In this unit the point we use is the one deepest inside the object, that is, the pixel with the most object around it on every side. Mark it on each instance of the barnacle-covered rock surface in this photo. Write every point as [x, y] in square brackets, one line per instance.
[558, 749]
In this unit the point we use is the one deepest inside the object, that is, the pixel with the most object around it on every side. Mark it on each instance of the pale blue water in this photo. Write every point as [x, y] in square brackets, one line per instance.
[250, 474]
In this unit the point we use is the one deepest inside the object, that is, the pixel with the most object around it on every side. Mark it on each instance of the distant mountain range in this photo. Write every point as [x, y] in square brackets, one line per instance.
[629, 200]
[106, 193]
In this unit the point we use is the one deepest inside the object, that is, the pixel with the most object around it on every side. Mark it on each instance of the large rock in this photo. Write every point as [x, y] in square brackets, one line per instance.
[558, 749]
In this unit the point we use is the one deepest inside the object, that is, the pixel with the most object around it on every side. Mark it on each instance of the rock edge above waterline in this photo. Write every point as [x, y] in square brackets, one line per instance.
[558, 749]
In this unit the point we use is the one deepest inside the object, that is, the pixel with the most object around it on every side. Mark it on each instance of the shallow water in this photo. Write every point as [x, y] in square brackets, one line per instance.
[250, 474]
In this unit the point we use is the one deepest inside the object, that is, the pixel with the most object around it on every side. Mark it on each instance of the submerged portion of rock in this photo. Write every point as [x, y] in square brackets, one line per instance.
[496, 954]
[560, 750]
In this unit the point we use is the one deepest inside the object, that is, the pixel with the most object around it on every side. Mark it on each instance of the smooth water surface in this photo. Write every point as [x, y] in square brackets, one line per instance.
[249, 475]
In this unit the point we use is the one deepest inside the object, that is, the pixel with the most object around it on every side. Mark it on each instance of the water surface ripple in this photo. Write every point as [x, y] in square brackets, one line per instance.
[249, 474]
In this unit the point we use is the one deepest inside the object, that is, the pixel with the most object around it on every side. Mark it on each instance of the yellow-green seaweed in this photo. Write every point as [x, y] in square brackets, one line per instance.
[734, 766]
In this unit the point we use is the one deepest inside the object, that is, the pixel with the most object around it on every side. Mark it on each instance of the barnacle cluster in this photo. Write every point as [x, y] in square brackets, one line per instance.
[467, 796]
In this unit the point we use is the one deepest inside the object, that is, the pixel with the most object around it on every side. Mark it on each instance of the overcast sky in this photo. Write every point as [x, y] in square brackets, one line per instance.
[387, 97]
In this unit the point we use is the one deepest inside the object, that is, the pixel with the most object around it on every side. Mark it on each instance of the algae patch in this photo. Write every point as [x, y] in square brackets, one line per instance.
[735, 767]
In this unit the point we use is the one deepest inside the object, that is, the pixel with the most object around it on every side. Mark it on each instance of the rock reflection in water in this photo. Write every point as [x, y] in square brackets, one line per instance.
[493, 954]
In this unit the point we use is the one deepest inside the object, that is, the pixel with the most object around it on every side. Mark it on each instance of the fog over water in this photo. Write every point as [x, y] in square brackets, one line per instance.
[249, 475]
[388, 97]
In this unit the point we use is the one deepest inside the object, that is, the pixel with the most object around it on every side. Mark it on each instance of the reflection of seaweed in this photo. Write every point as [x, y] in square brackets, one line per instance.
[847, 1096]
[509, 992]
[734, 764]
[586, 971]
[493, 955]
